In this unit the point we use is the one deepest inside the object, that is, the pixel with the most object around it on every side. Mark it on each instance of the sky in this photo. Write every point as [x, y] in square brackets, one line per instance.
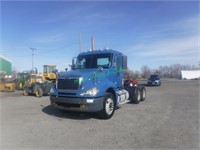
[152, 33]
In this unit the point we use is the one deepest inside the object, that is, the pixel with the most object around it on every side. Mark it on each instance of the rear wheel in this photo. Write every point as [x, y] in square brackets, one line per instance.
[143, 93]
[137, 96]
[108, 106]
[38, 92]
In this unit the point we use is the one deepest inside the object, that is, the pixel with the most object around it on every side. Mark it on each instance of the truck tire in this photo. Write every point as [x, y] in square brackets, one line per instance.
[38, 92]
[137, 96]
[143, 93]
[108, 106]
[25, 91]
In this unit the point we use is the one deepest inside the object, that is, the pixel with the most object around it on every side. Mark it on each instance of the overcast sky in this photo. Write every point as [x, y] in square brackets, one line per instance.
[151, 33]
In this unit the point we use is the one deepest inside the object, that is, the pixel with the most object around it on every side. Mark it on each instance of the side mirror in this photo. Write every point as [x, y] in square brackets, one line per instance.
[73, 63]
[124, 62]
[116, 63]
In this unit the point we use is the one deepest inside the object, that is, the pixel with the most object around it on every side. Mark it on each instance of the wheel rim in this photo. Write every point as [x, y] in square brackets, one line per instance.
[20, 85]
[25, 92]
[37, 93]
[143, 93]
[109, 106]
[138, 95]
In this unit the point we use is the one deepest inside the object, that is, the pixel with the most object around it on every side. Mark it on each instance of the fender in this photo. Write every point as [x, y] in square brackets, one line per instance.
[107, 86]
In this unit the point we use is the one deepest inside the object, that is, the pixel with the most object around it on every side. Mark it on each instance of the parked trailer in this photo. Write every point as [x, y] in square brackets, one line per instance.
[190, 74]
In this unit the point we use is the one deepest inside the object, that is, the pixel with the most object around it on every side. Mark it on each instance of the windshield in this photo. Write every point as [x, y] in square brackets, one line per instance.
[48, 69]
[154, 77]
[93, 61]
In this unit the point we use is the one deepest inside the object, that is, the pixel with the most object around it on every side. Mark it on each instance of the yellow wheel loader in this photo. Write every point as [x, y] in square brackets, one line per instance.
[49, 72]
[37, 85]
[7, 83]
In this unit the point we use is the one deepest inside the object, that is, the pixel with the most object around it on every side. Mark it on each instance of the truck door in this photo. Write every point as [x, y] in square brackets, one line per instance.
[115, 73]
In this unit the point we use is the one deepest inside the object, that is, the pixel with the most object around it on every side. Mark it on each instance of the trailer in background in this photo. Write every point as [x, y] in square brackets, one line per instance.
[190, 74]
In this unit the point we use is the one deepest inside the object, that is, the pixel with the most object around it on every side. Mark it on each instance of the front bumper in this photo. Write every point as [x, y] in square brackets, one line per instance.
[77, 104]
[153, 83]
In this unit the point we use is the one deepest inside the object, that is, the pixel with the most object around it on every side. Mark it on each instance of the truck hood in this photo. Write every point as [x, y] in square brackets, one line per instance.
[86, 74]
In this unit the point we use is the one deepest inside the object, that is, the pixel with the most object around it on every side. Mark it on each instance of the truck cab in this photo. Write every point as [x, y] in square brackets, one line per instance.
[95, 83]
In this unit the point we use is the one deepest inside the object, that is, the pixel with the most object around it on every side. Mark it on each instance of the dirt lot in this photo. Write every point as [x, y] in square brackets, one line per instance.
[167, 119]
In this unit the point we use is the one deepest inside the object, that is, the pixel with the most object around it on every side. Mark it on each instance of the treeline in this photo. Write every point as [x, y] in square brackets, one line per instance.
[172, 71]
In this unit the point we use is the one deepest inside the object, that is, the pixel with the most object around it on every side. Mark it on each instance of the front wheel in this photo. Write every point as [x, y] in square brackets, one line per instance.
[25, 91]
[108, 106]
[38, 92]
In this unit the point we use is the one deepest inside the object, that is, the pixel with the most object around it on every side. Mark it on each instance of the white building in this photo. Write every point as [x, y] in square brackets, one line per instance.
[190, 74]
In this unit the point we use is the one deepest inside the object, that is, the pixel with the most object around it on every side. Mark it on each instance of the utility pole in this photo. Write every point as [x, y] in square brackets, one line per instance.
[33, 49]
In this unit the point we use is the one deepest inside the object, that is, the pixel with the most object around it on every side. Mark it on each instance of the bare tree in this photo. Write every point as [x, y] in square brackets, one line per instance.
[129, 74]
[171, 71]
[145, 71]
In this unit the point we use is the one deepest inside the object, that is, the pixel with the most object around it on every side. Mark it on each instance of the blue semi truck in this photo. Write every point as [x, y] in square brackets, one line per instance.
[95, 84]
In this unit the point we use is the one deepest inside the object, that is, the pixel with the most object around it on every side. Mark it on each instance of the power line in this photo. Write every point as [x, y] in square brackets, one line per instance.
[57, 49]
[43, 51]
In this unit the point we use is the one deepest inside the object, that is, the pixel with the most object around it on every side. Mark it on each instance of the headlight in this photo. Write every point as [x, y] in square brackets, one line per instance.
[80, 80]
[91, 92]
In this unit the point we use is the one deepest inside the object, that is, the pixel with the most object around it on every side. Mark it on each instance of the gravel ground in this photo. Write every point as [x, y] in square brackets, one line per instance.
[167, 119]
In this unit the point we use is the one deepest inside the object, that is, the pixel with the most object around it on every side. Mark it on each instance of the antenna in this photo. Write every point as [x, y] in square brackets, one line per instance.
[80, 42]
[92, 43]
